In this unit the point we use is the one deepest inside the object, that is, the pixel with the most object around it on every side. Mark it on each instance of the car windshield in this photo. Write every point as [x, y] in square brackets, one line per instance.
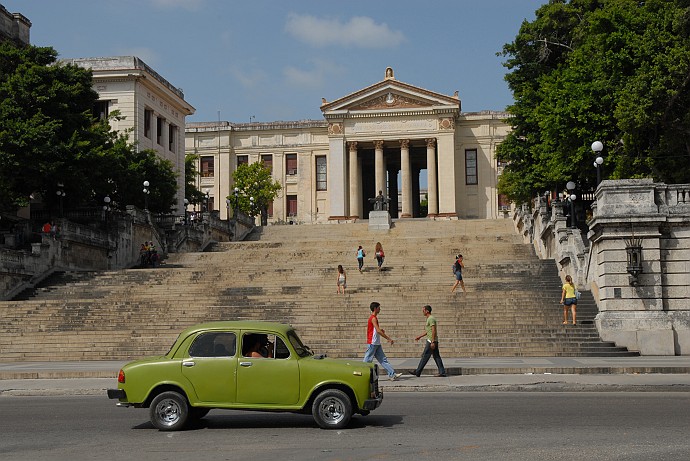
[300, 348]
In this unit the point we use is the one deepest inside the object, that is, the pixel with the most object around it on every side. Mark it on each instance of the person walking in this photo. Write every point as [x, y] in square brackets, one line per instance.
[342, 280]
[431, 346]
[374, 349]
[458, 266]
[569, 299]
[379, 254]
[360, 257]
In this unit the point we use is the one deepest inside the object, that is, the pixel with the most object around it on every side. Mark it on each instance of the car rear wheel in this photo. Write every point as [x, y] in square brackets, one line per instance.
[169, 411]
[332, 409]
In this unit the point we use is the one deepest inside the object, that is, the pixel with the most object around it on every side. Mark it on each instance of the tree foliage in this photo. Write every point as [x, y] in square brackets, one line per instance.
[617, 71]
[254, 180]
[49, 136]
[192, 193]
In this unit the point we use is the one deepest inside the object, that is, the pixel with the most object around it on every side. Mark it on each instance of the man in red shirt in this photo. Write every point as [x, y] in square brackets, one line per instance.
[374, 335]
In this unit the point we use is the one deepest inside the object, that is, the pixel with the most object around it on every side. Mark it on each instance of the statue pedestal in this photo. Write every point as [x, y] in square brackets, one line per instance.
[379, 220]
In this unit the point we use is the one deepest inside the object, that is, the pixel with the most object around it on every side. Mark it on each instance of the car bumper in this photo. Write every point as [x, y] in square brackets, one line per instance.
[117, 394]
[373, 404]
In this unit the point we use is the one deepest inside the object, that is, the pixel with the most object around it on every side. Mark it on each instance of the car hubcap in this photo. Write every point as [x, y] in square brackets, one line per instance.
[332, 410]
[168, 411]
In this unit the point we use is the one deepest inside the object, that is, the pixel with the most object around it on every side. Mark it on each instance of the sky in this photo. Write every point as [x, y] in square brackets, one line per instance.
[272, 60]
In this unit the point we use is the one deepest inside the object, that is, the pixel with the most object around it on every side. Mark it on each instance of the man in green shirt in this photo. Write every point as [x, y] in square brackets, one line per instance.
[431, 346]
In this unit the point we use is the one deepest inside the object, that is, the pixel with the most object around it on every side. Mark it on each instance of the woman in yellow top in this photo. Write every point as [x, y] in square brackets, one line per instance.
[569, 298]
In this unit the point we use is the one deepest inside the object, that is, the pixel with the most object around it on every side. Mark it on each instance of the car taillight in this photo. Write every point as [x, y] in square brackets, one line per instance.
[121, 377]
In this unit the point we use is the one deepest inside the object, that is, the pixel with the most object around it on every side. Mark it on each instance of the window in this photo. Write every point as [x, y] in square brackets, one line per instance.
[101, 110]
[268, 161]
[172, 137]
[216, 344]
[470, 166]
[242, 160]
[269, 209]
[291, 164]
[291, 205]
[159, 130]
[207, 167]
[321, 183]
[148, 115]
[264, 346]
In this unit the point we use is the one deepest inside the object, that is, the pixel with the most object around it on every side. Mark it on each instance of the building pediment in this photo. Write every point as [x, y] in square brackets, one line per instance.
[391, 95]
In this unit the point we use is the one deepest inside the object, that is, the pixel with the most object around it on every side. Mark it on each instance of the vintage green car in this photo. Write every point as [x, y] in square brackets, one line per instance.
[246, 365]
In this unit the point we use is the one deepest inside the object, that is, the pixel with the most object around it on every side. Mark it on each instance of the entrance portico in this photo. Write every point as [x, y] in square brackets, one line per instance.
[392, 132]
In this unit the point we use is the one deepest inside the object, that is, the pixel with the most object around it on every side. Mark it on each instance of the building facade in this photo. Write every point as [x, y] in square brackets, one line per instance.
[391, 137]
[14, 27]
[152, 109]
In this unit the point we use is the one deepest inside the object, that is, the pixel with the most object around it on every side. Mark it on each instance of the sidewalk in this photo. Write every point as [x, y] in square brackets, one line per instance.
[663, 374]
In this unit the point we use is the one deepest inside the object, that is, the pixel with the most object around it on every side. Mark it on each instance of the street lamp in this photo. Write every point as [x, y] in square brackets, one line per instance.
[106, 209]
[571, 197]
[186, 203]
[61, 195]
[227, 211]
[147, 191]
[597, 147]
[207, 197]
[251, 206]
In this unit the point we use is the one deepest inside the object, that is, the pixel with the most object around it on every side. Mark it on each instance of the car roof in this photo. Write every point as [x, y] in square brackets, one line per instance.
[237, 325]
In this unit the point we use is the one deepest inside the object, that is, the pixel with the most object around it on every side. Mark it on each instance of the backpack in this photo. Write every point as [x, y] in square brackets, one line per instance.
[456, 267]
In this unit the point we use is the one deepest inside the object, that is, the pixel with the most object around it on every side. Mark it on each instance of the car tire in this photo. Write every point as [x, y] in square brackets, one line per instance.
[332, 409]
[169, 411]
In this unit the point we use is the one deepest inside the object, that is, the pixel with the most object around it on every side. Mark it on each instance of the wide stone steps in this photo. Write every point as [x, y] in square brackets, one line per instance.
[511, 308]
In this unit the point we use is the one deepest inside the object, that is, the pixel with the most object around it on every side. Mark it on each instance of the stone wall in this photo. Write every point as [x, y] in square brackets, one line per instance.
[649, 313]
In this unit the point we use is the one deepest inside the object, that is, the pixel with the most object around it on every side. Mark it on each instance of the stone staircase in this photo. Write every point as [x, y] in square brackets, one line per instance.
[287, 274]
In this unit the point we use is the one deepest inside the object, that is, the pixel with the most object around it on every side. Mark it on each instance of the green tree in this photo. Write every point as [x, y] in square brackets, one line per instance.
[49, 136]
[617, 71]
[254, 180]
[193, 195]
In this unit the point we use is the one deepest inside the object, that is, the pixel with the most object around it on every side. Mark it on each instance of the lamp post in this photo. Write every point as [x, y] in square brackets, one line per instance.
[207, 197]
[572, 197]
[61, 195]
[597, 147]
[251, 206]
[227, 211]
[186, 203]
[147, 191]
[106, 209]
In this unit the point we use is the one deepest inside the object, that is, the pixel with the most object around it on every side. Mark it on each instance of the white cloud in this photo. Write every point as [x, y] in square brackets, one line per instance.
[186, 4]
[248, 78]
[311, 78]
[359, 31]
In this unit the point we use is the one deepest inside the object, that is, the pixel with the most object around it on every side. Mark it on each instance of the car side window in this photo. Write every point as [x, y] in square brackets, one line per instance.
[214, 344]
[263, 345]
[282, 351]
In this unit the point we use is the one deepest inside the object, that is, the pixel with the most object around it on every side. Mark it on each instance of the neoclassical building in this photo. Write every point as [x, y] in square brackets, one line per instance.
[152, 108]
[391, 136]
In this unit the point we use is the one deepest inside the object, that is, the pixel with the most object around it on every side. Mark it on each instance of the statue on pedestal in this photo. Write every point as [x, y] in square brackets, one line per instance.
[380, 202]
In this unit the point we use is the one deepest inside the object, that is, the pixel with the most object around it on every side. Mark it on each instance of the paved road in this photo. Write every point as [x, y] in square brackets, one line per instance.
[409, 426]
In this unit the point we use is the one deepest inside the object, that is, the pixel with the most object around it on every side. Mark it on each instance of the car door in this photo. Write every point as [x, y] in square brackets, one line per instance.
[210, 366]
[272, 380]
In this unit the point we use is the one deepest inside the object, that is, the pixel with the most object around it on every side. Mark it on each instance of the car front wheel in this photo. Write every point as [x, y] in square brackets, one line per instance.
[332, 409]
[169, 411]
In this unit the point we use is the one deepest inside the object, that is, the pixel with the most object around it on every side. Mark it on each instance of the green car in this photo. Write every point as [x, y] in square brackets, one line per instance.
[246, 365]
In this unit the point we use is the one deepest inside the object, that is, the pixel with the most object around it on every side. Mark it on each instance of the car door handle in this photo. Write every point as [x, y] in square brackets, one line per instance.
[188, 364]
[245, 364]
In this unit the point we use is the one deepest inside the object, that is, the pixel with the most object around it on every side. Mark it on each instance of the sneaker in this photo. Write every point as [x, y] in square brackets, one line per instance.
[396, 376]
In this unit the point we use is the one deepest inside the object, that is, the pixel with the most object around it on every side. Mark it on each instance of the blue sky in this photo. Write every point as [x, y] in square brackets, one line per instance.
[269, 60]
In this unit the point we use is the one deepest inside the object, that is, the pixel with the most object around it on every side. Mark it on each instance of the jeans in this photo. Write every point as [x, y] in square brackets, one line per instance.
[375, 350]
[429, 352]
[360, 261]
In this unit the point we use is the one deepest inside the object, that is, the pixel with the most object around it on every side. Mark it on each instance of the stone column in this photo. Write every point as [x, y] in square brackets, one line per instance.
[336, 174]
[432, 176]
[355, 187]
[380, 171]
[406, 179]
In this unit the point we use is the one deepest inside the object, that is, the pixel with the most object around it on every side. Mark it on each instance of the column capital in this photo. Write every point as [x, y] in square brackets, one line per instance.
[430, 142]
[352, 145]
[378, 144]
[404, 143]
